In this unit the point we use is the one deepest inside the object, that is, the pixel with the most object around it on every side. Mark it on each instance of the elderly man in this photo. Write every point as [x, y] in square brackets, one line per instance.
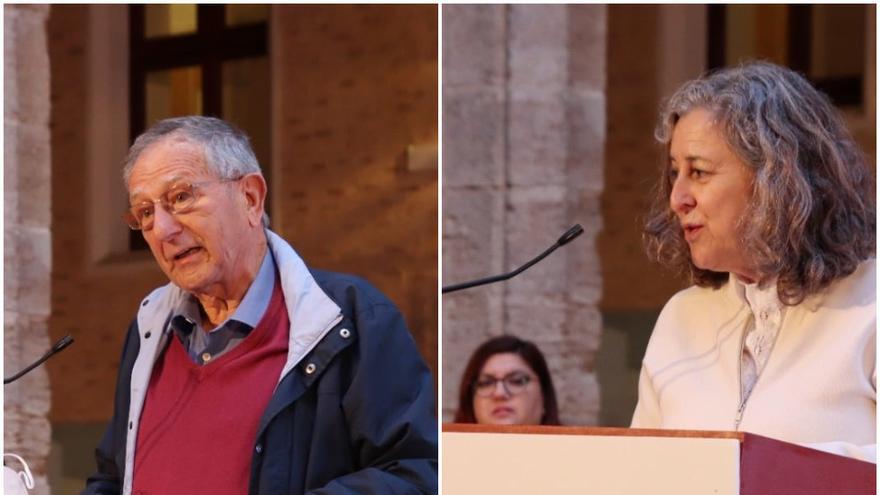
[249, 372]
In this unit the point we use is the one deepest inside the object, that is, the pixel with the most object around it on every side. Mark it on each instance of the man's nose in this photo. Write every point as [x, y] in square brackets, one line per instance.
[681, 199]
[165, 225]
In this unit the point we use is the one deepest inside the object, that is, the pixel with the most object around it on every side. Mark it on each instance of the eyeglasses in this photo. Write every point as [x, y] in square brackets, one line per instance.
[513, 383]
[180, 198]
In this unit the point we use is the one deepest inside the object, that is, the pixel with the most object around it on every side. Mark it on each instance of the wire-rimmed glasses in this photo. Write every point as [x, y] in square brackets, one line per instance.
[178, 199]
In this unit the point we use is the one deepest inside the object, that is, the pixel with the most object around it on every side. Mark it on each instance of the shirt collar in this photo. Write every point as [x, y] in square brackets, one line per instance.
[749, 294]
[249, 311]
[257, 298]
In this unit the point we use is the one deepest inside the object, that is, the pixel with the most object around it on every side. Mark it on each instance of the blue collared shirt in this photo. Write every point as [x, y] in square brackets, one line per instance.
[206, 346]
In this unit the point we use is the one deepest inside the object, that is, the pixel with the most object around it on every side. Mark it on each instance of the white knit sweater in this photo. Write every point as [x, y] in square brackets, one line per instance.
[818, 387]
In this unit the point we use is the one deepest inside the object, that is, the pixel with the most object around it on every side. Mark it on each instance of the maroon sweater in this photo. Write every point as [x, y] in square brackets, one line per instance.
[199, 423]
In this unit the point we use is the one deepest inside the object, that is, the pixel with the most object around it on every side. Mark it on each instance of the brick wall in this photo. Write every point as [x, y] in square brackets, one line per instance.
[355, 86]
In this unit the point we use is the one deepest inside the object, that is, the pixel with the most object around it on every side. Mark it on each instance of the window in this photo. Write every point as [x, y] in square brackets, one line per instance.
[824, 42]
[201, 59]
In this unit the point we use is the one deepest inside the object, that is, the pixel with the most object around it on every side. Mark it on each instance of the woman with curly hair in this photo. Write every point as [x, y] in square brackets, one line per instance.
[768, 205]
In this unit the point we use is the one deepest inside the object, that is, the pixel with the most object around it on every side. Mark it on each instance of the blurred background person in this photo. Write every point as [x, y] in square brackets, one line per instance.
[507, 381]
[768, 204]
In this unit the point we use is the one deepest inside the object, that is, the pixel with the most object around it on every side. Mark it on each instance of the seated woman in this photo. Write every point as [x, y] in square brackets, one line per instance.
[768, 204]
[507, 382]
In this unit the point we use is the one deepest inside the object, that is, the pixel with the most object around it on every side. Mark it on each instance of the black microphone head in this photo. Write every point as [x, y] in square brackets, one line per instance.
[570, 234]
[61, 344]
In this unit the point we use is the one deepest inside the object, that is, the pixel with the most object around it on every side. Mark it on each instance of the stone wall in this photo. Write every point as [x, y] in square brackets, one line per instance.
[27, 237]
[523, 138]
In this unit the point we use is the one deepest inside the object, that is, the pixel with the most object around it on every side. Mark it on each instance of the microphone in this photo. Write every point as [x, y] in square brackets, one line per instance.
[58, 347]
[564, 239]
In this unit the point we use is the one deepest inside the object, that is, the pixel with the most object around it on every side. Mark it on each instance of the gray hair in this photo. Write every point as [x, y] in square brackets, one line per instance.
[811, 217]
[227, 149]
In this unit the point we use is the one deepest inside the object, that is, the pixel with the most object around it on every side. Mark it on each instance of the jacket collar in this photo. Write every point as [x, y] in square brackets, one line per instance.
[310, 310]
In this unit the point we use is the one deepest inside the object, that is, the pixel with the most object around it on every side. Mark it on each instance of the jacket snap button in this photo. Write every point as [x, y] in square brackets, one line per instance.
[147, 335]
[310, 368]
[345, 333]
[259, 449]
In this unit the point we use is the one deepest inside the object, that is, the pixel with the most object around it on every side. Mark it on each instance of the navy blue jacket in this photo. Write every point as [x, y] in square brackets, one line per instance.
[353, 414]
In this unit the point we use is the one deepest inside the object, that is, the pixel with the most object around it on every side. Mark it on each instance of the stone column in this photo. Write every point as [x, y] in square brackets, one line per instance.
[27, 255]
[523, 138]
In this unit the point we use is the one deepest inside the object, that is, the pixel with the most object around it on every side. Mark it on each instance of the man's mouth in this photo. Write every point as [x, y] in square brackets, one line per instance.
[186, 252]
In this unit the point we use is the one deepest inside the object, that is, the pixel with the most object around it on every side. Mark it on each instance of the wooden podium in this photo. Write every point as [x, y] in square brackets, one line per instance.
[511, 460]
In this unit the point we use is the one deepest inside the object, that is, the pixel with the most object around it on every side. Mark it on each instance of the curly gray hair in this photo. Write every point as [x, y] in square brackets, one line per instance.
[228, 152]
[812, 212]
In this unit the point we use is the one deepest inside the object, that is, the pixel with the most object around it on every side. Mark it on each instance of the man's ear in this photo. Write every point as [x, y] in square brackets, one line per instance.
[254, 188]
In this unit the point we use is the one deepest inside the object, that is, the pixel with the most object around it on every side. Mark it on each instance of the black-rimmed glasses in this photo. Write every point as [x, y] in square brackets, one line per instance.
[513, 383]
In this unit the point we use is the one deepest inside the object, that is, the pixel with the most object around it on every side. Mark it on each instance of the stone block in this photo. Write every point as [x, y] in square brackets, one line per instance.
[583, 331]
[26, 64]
[472, 233]
[27, 256]
[585, 118]
[538, 54]
[536, 218]
[474, 45]
[11, 198]
[26, 401]
[539, 317]
[538, 136]
[587, 34]
[27, 174]
[578, 396]
[473, 137]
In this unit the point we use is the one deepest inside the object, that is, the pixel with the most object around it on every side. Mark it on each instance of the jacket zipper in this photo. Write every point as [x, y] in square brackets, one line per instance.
[742, 348]
[739, 378]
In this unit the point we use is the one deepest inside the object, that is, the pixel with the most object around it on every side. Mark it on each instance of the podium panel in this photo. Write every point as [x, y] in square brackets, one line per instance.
[527, 464]
[513, 460]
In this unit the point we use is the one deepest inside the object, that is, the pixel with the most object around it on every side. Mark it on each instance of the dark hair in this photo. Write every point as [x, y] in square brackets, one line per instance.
[529, 353]
[811, 217]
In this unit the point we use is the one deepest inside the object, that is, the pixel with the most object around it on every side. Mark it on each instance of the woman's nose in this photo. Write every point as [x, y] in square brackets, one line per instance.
[681, 199]
[500, 390]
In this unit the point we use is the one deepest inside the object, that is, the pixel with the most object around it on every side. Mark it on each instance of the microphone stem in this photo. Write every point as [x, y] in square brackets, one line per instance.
[503, 276]
[58, 347]
[24, 371]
